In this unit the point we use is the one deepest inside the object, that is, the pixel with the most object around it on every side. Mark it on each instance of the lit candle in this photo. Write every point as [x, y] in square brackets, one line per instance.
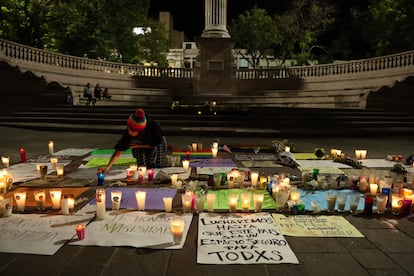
[214, 152]
[358, 154]
[287, 149]
[55, 196]
[53, 161]
[187, 200]
[245, 200]
[363, 184]
[142, 171]
[174, 178]
[140, 196]
[150, 174]
[80, 231]
[60, 170]
[50, 145]
[211, 199]
[200, 198]
[338, 153]
[167, 204]
[194, 146]
[254, 176]
[2, 186]
[363, 154]
[215, 145]
[396, 204]
[187, 155]
[100, 204]
[294, 196]
[130, 173]
[177, 229]
[71, 201]
[373, 188]
[258, 202]
[333, 153]
[7, 206]
[116, 197]
[233, 199]
[186, 165]
[40, 198]
[5, 161]
[20, 198]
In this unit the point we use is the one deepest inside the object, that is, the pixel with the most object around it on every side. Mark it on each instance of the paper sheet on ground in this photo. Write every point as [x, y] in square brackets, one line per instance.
[316, 226]
[27, 171]
[96, 162]
[124, 155]
[72, 152]
[320, 198]
[38, 233]
[305, 156]
[216, 162]
[212, 170]
[240, 238]
[322, 170]
[321, 164]
[255, 157]
[378, 163]
[133, 228]
[222, 199]
[260, 164]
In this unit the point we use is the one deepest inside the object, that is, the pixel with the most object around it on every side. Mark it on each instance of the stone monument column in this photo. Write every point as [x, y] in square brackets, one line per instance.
[215, 20]
[215, 67]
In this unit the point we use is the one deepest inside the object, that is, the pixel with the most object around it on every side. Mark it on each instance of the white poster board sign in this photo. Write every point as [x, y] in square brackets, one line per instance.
[37, 233]
[134, 228]
[241, 239]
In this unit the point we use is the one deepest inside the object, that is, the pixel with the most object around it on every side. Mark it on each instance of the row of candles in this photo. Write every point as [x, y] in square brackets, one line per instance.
[65, 202]
[195, 147]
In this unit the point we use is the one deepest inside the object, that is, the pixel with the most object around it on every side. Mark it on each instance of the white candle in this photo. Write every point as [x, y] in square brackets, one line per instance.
[187, 200]
[65, 206]
[130, 172]
[51, 145]
[254, 176]
[100, 204]
[60, 170]
[186, 165]
[373, 188]
[177, 229]
[20, 198]
[174, 178]
[214, 152]
[200, 198]
[287, 149]
[167, 204]
[53, 161]
[40, 198]
[140, 196]
[142, 171]
[233, 198]
[358, 154]
[5, 161]
[245, 200]
[55, 196]
[363, 154]
[215, 145]
[295, 196]
[6, 205]
[194, 146]
[116, 197]
[258, 202]
[211, 199]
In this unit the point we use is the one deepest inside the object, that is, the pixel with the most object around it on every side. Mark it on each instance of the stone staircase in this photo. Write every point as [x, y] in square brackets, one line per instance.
[255, 122]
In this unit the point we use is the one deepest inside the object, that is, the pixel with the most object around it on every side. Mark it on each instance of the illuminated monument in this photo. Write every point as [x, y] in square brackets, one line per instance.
[215, 68]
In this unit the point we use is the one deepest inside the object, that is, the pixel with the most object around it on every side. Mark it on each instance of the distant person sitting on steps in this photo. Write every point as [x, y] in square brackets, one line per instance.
[106, 94]
[87, 93]
[97, 92]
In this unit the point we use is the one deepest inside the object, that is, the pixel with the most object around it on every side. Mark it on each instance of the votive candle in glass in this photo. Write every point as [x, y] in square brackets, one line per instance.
[140, 196]
[55, 196]
[258, 202]
[233, 199]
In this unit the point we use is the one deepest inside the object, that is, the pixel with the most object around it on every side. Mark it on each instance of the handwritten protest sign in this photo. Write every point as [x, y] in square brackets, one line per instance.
[316, 226]
[241, 239]
[37, 234]
[133, 228]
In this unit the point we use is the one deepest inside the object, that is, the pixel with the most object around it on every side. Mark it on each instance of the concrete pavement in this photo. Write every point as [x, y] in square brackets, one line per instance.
[386, 249]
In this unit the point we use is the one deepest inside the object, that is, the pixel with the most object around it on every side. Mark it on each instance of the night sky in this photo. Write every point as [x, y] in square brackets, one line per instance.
[188, 15]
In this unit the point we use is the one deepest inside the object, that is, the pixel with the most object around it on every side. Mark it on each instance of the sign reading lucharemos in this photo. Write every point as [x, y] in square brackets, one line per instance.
[241, 239]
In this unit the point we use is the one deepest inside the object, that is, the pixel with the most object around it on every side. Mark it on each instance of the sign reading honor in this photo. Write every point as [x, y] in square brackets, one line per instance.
[241, 239]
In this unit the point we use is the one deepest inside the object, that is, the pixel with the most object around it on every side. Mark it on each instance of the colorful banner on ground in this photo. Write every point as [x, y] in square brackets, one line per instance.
[37, 233]
[222, 199]
[133, 228]
[316, 226]
[241, 239]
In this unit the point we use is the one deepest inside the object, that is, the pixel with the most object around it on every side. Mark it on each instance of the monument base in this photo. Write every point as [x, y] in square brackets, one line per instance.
[215, 68]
